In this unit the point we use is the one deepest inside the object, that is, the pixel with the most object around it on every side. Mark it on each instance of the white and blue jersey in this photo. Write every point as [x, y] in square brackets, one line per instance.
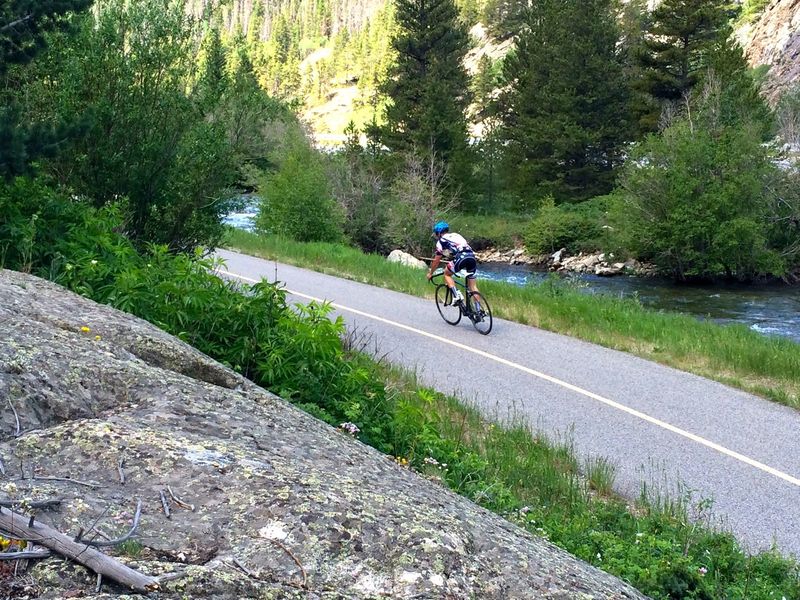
[459, 253]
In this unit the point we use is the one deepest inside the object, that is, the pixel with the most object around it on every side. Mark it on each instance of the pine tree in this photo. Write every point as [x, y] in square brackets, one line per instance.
[565, 110]
[427, 87]
[678, 49]
[24, 27]
[213, 64]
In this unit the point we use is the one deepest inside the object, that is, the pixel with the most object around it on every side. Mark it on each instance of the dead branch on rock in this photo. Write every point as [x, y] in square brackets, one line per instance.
[165, 503]
[121, 464]
[31, 504]
[124, 538]
[16, 526]
[295, 559]
[16, 417]
[25, 554]
[90, 484]
[178, 501]
[244, 569]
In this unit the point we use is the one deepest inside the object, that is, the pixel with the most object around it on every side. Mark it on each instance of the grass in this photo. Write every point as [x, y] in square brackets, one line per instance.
[731, 354]
[502, 231]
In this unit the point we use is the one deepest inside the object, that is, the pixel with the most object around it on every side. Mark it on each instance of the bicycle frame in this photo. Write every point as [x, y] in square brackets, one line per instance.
[461, 282]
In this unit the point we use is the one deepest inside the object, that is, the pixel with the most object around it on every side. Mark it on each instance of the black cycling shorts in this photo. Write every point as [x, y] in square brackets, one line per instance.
[464, 262]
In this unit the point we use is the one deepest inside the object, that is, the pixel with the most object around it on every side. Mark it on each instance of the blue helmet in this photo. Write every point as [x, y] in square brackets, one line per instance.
[441, 227]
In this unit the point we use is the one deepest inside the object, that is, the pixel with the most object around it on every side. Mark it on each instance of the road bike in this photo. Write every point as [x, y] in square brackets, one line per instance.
[475, 306]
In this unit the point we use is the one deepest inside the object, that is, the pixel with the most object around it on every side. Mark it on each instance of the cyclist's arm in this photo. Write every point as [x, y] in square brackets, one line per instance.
[436, 260]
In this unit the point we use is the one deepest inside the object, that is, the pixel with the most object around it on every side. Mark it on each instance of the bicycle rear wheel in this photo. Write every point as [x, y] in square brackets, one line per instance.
[481, 313]
[450, 312]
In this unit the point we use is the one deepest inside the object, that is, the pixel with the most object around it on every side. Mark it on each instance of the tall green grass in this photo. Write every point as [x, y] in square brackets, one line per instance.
[731, 354]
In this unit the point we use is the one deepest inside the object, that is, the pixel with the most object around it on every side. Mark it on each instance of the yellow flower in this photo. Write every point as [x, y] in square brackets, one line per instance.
[85, 329]
[97, 338]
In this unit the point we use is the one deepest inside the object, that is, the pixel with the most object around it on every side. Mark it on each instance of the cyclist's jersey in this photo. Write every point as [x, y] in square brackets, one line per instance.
[453, 244]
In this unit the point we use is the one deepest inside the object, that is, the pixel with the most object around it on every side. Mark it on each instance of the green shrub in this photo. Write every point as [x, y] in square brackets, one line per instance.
[576, 227]
[696, 199]
[297, 202]
[42, 229]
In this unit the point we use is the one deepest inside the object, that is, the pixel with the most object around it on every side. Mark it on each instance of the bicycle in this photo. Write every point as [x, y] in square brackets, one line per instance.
[476, 310]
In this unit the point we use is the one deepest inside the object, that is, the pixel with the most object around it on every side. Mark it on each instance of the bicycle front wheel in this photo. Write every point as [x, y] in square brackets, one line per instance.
[450, 312]
[481, 316]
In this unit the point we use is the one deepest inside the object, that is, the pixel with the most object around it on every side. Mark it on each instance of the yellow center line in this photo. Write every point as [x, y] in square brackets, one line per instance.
[621, 407]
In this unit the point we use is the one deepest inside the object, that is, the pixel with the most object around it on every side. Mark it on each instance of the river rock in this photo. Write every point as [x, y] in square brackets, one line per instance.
[404, 258]
[307, 510]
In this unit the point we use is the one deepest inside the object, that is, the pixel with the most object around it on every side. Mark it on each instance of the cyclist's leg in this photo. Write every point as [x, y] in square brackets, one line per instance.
[448, 275]
[448, 279]
[472, 282]
[471, 265]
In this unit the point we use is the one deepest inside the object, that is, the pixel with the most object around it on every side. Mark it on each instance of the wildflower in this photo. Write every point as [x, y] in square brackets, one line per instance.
[93, 261]
[525, 510]
[68, 267]
[97, 338]
[350, 428]
[599, 556]
[429, 460]
[702, 571]
[85, 329]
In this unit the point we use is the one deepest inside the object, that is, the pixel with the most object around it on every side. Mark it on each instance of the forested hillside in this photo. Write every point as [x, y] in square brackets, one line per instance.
[329, 55]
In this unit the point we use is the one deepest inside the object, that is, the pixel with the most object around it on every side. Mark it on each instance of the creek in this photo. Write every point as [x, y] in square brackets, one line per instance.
[771, 309]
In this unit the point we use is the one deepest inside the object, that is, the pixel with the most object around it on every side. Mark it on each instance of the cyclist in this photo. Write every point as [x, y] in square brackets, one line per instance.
[460, 257]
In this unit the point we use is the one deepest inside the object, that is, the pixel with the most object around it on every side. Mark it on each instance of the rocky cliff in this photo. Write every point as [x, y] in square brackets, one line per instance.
[774, 40]
[108, 409]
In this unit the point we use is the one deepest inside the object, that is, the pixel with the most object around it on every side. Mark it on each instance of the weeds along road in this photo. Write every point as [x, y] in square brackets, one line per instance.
[679, 433]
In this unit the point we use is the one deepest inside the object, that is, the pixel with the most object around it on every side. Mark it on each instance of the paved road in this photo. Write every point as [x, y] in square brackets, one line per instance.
[653, 422]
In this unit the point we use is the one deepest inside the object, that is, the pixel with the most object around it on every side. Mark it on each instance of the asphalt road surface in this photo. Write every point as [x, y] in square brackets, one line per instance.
[678, 432]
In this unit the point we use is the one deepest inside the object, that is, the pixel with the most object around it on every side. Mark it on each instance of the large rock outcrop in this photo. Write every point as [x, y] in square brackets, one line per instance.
[774, 40]
[303, 509]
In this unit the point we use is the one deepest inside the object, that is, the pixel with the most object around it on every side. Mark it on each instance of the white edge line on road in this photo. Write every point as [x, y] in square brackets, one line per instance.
[631, 411]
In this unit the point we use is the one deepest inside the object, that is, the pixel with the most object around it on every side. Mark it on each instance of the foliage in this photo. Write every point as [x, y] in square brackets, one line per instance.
[24, 29]
[576, 227]
[40, 226]
[696, 198]
[427, 86]
[752, 10]
[147, 141]
[296, 199]
[564, 112]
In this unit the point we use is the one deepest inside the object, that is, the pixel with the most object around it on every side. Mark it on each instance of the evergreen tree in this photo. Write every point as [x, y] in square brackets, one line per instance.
[505, 18]
[677, 50]
[634, 22]
[24, 27]
[565, 111]
[213, 63]
[427, 87]
[742, 101]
